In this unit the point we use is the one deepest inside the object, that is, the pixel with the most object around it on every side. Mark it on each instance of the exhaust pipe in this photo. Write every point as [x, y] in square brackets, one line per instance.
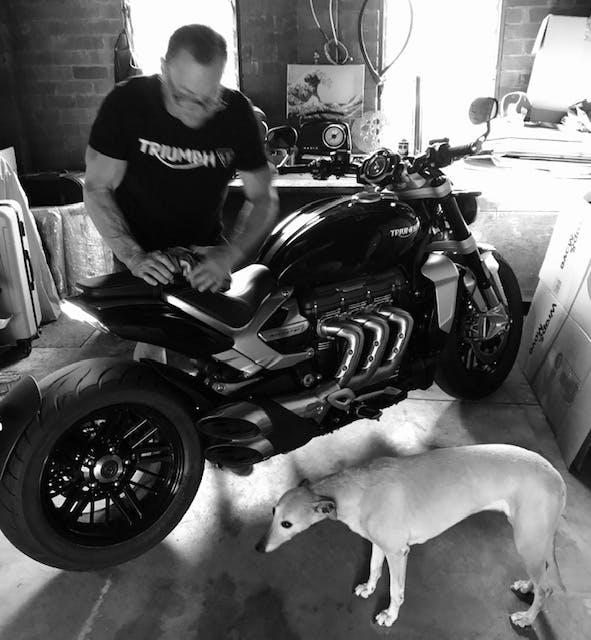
[240, 421]
[236, 454]
[247, 432]
[403, 324]
[380, 331]
[354, 339]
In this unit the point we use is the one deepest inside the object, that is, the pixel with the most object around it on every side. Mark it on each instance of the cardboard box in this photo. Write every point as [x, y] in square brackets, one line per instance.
[581, 307]
[563, 387]
[555, 352]
[542, 324]
[569, 252]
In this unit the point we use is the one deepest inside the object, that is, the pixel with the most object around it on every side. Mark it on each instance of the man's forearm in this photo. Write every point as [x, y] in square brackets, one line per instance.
[110, 223]
[254, 222]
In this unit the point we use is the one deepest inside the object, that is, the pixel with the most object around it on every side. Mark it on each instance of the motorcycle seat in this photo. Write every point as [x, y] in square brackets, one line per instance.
[234, 308]
[117, 286]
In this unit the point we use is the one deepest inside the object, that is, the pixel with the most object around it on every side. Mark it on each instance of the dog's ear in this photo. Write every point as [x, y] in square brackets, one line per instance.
[326, 507]
[304, 483]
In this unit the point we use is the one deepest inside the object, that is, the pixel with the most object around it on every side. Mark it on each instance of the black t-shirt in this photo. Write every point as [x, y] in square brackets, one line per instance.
[176, 178]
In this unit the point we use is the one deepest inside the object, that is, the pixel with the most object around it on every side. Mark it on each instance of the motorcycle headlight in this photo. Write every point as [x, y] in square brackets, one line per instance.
[468, 204]
[75, 312]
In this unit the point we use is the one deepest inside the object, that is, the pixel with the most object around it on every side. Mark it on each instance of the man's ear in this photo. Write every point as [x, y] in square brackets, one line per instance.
[304, 483]
[326, 508]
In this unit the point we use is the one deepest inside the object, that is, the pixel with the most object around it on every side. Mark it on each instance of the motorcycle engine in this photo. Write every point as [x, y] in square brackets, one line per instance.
[350, 297]
[354, 295]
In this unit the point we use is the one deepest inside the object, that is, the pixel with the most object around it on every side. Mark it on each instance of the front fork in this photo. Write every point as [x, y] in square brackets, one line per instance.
[483, 281]
[462, 235]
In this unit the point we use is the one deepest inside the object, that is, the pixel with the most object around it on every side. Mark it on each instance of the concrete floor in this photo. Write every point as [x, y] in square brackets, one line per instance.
[205, 581]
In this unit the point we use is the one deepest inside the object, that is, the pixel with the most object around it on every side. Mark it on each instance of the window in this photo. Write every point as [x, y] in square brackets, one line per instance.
[454, 49]
[153, 22]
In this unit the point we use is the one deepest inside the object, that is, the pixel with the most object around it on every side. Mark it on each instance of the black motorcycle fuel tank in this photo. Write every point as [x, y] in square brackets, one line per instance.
[332, 240]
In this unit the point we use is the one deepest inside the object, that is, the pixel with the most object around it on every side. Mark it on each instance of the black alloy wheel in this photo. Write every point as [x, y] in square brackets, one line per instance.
[112, 475]
[107, 468]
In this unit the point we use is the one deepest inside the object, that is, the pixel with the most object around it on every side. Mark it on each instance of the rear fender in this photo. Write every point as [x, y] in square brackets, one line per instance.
[18, 409]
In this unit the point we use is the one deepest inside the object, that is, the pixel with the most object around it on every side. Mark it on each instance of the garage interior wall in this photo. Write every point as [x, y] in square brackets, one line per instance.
[56, 62]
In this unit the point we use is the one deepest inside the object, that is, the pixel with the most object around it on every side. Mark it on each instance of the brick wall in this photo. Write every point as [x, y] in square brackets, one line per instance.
[62, 62]
[268, 41]
[521, 21]
[12, 133]
[274, 33]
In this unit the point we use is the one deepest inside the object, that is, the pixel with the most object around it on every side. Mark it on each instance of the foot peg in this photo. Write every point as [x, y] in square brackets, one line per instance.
[368, 405]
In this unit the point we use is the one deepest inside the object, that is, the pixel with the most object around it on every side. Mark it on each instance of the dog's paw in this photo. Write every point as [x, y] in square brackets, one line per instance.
[364, 590]
[522, 586]
[521, 619]
[386, 618]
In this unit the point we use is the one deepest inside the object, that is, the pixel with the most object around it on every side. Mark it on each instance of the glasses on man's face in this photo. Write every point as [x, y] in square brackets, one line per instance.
[189, 101]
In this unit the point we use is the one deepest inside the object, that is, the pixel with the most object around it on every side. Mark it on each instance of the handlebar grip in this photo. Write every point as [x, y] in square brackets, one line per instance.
[463, 150]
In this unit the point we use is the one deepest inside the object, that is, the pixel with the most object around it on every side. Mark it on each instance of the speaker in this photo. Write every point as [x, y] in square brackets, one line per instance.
[322, 137]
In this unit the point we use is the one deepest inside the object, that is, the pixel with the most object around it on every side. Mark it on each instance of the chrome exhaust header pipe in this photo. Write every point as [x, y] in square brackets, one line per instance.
[379, 329]
[353, 336]
[314, 404]
[403, 324]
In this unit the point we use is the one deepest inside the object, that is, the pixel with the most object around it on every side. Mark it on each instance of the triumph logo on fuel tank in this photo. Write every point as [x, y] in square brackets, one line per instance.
[405, 232]
[541, 332]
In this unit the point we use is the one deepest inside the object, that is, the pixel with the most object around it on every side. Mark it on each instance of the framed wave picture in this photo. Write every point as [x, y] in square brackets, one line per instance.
[325, 92]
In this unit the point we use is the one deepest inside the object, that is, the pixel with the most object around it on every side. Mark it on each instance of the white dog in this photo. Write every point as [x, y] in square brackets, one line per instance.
[397, 502]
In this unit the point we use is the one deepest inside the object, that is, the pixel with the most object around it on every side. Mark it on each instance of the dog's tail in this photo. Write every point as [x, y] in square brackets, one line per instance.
[553, 569]
[552, 562]
[552, 566]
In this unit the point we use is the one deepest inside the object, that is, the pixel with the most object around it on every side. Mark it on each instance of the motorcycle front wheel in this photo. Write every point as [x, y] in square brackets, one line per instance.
[105, 472]
[472, 370]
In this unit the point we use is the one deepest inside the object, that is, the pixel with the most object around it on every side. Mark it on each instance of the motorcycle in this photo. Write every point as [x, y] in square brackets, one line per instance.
[352, 303]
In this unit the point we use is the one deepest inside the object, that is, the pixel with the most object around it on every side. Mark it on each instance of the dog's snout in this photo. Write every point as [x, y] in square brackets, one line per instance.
[260, 545]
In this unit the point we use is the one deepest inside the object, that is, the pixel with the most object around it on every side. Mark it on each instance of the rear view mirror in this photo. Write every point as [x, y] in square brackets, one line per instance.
[483, 110]
[282, 137]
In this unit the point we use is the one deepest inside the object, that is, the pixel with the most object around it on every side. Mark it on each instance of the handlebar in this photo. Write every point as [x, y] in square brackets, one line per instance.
[438, 155]
[441, 154]
[463, 150]
[322, 168]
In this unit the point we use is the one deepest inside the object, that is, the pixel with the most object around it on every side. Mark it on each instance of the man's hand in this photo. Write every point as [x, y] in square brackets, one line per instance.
[212, 272]
[155, 267]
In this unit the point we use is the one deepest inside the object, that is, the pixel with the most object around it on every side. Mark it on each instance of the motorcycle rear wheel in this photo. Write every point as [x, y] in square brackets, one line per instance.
[105, 472]
[473, 371]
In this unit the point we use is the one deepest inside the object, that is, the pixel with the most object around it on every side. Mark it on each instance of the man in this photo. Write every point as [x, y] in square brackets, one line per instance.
[161, 153]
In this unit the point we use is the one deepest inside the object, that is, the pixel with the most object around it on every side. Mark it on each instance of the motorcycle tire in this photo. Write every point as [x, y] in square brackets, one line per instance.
[469, 371]
[107, 469]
